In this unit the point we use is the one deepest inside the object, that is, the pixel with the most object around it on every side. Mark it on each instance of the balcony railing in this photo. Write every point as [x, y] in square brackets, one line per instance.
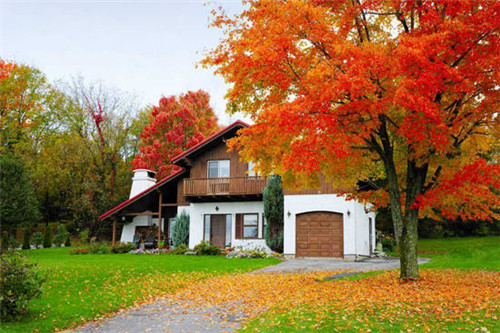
[224, 186]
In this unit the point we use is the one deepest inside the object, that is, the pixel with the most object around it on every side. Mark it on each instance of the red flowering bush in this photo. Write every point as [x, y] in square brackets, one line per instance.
[78, 251]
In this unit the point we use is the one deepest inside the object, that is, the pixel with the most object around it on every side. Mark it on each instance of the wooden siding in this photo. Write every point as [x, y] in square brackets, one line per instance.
[181, 198]
[236, 168]
[324, 188]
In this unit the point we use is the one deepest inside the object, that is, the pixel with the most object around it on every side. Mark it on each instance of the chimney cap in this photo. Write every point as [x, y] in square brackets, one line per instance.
[145, 172]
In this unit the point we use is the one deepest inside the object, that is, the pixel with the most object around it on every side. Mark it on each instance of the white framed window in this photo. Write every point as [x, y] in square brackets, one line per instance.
[218, 169]
[250, 225]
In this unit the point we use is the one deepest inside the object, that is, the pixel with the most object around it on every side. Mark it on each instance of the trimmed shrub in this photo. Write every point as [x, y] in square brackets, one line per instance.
[181, 249]
[47, 237]
[180, 229]
[388, 242]
[84, 236]
[26, 239]
[205, 248]
[123, 247]
[37, 239]
[61, 235]
[99, 248]
[20, 281]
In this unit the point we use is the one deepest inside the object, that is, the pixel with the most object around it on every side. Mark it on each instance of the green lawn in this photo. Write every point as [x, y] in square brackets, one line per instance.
[462, 253]
[472, 254]
[83, 287]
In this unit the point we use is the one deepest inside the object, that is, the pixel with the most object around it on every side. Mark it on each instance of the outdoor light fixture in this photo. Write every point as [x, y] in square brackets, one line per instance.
[288, 214]
[348, 213]
[216, 208]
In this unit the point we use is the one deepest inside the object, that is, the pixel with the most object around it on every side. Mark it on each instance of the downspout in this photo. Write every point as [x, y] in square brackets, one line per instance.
[355, 234]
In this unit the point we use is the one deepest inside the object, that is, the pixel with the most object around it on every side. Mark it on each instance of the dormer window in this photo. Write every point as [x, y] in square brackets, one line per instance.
[218, 169]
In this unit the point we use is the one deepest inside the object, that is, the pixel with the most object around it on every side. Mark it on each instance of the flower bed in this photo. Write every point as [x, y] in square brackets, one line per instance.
[251, 253]
[78, 251]
[150, 251]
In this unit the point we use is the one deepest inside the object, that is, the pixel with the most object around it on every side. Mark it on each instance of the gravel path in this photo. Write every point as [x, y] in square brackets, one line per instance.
[161, 316]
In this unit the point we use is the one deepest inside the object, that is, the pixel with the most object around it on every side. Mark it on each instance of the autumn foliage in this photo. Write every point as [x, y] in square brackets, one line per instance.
[404, 93]
[175, 125]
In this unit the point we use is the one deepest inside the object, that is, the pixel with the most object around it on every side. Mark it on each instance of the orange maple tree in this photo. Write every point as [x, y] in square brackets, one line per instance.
[176, 124]
[404, 93]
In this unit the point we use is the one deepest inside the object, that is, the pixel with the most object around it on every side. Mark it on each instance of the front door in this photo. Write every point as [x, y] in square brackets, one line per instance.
[218, 230]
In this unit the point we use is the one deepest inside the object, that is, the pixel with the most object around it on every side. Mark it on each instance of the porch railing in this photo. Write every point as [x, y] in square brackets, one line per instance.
[224, 186]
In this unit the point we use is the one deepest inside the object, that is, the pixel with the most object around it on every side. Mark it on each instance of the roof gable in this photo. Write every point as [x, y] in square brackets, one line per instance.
[234, 127]
[141, 195]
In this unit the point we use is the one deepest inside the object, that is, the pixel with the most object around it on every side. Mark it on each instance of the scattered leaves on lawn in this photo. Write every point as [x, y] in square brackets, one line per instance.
[441, 295]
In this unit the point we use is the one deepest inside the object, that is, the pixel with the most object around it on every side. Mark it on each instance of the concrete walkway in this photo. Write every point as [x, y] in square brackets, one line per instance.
[329, 264]
[162, 316]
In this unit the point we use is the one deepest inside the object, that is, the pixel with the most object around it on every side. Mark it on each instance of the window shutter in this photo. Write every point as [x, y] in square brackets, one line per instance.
[239, 226]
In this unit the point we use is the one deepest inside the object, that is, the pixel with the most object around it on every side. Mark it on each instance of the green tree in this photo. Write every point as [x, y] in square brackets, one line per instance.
[61, 235]
[37, 239]
[273, 213]
[18, 205]
[26, 238]
[28, 109]
[47, 237]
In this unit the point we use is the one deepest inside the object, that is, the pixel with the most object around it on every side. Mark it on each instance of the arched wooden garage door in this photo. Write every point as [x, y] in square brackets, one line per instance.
[319, 234]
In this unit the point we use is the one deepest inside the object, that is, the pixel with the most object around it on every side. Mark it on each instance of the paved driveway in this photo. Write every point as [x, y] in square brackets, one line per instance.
[171, 315]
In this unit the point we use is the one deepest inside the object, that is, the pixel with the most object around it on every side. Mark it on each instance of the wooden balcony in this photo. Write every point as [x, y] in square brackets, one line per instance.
[204, 188]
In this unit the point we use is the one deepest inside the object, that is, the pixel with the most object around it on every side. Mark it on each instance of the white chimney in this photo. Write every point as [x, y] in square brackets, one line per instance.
[142, 180]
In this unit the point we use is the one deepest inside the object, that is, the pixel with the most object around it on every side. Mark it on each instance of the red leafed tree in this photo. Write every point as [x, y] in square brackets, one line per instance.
[176, 124]
[401, 92]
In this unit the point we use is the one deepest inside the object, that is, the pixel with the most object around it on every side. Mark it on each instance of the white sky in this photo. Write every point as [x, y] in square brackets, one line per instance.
[147, 48]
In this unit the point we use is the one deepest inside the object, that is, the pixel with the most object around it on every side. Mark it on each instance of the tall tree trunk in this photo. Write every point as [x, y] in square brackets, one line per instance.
[408, 248]
[415, 179]
[395, 200]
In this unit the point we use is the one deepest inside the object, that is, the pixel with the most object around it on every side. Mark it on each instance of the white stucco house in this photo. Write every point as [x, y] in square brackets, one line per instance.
[223, 198]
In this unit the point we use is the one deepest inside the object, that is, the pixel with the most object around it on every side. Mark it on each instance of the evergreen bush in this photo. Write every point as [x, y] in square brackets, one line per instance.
[181, 249]
[37, 239]
[99, 248]
[47, 237]
[84, 236]
[207, 249]
[18, 205]
[123, 247]
[61, 235]
[273, 212]
[180, 229]
[20, 281]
